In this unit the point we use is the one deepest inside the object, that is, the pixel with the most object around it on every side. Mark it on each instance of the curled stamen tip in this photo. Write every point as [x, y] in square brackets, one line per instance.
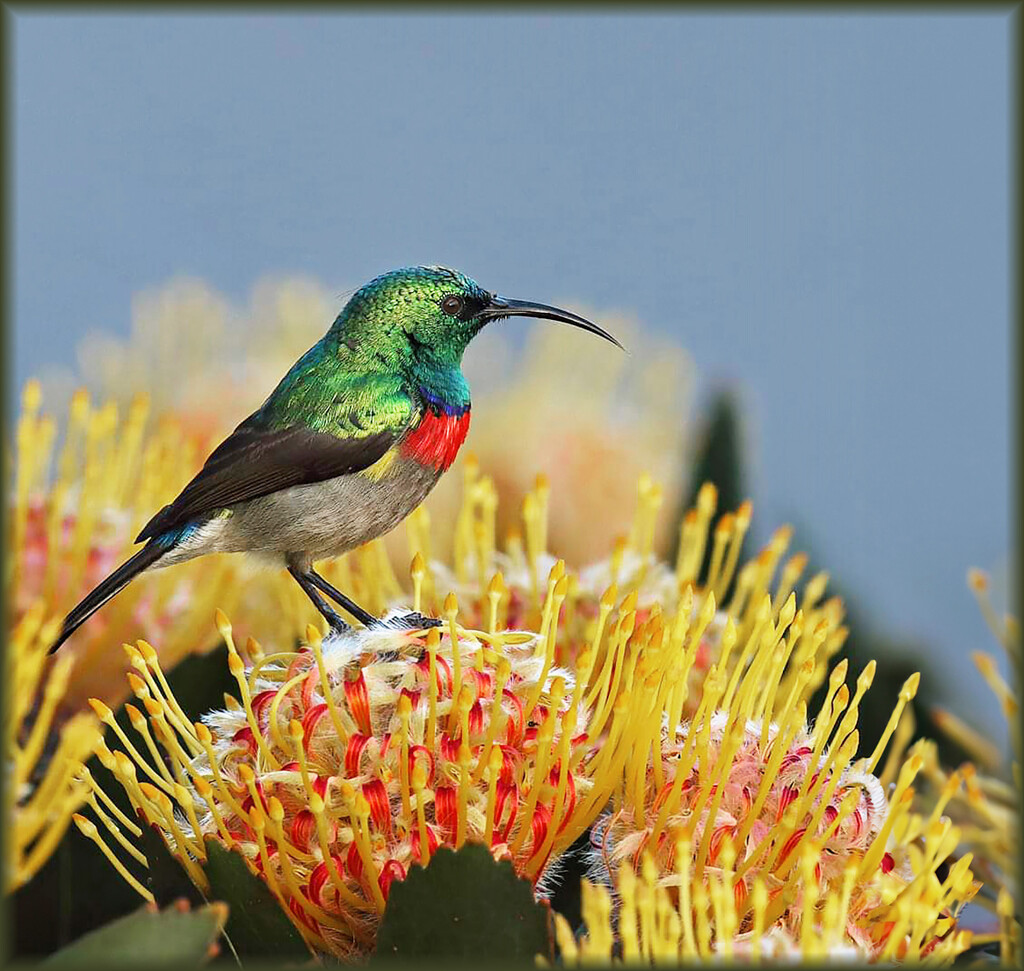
[85, 825]
[495, 760]
[313, 635]
[220, 619]
[32, 395]
[867, 675]
[983, 662]
[451, 605]
[910, 686]
[418, 567]
[707, 498]
[977, 579]
[102, 711]
[147, 651]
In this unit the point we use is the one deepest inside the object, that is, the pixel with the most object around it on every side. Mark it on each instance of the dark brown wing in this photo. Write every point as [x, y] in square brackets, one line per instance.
[253, 462]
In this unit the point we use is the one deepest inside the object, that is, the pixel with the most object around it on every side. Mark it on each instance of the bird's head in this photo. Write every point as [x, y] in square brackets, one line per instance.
[431, 313]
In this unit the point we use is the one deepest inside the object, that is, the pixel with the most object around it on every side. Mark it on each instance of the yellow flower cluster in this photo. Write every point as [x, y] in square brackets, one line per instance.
[681, 724]
[74, 514]
[349, 760]
[43, 787]
[983, 796]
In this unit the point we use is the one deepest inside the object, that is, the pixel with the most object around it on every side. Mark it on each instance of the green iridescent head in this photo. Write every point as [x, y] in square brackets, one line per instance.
[423, 315]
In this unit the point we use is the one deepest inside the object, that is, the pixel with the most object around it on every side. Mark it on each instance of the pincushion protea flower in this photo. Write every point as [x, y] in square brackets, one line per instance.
[352, 759]
[750, 822]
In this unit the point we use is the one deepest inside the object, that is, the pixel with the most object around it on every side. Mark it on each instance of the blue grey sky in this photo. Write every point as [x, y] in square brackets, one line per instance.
[816, 207]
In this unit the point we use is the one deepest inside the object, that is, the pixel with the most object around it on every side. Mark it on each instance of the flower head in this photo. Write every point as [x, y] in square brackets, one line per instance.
[350, 760]
[746, 820]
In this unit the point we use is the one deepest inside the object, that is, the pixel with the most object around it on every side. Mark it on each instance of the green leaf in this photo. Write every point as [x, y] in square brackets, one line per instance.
[176, 935]
[257, 926]
[464, 905]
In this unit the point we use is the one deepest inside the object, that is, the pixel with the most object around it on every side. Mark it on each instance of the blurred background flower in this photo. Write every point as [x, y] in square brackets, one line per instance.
[42, 785]
[81, 491]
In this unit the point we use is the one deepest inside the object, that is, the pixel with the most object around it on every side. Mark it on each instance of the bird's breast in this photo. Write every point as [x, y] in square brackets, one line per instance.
[436, 440]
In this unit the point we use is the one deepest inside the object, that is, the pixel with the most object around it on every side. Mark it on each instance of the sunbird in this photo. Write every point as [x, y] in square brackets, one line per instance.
[350, 442]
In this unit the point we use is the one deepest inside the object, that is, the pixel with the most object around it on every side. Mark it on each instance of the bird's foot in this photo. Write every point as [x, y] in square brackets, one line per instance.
[410, 621]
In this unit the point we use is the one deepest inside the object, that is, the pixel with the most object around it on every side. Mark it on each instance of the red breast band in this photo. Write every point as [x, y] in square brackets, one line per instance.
[437, 439]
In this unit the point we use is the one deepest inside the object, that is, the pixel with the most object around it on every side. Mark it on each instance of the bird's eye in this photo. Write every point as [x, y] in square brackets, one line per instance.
[452, 305]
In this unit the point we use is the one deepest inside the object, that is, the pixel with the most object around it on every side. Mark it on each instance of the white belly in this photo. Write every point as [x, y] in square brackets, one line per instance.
[315, 521]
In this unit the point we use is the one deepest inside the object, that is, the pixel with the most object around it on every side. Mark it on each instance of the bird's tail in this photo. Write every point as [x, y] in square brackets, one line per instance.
[107, 589]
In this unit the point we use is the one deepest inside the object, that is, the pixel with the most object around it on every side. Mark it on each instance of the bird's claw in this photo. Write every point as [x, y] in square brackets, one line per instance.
[410, 621]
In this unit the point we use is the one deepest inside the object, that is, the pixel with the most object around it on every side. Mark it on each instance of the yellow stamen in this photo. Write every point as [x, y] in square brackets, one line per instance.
[497, 720]
[89, 831]
[237, 668]
[106, 716]
[463, 797]
[342, 730]
[907, 692]
[433, 643]
[494, 761]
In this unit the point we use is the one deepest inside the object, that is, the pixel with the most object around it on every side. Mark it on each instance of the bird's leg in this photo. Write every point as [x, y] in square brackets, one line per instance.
[309, 589]
[405, 622]
[363, 616]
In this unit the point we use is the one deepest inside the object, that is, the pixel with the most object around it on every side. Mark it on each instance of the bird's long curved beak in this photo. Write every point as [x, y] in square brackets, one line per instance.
[500, 307]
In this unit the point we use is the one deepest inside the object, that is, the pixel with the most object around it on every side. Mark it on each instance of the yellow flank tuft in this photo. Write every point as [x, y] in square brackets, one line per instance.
[382, 466]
